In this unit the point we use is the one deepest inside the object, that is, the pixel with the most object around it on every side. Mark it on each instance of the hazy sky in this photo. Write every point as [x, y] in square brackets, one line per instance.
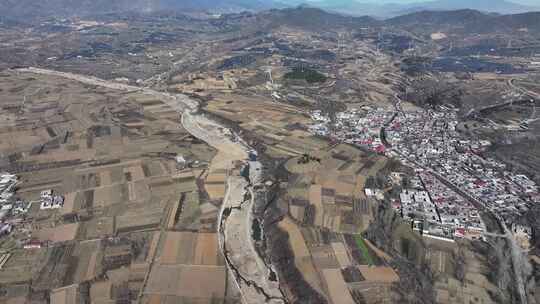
[527, 2]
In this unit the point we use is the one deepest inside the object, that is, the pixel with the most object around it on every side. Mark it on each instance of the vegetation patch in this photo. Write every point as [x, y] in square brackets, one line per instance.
[309, 75]
[364, 249]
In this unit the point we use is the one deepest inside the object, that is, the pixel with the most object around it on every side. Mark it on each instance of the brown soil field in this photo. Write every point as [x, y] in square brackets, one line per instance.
[105, 178]
[207, 251]
[106, 196]
[64, 295]
[173, 241]
[61, 233]
[216, 178]
[324, 257]
[141, 221]
[341, 254]
[69, 203]
[88, 261]
[100, 292]
[378, 274]
[215, 192]
[302, 256]
[188, 248]
[336, 286]
[23, 265]
[99, 227]
[187, 281]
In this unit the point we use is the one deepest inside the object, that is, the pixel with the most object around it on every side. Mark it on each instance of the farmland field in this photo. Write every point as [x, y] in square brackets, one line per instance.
[366, 255]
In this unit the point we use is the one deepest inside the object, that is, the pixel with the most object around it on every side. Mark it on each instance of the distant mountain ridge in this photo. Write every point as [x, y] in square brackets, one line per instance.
[314, 18]
[456, 17]
[469, 20]
[388, 10]
[66, 8]
[490, 6]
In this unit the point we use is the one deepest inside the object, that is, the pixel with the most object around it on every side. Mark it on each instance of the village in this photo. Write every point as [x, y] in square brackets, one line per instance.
[453, 183]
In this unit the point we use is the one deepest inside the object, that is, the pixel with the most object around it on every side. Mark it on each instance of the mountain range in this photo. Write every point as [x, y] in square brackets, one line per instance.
[66, 8]
[467, 21]
[388, 10]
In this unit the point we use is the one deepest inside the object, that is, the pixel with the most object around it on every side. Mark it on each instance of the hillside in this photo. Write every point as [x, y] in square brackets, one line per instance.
[531, 21]
[470, 21]
[315, 19]
[457, 17]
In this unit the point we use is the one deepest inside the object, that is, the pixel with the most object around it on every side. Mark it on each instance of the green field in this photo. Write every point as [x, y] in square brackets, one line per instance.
[309, 75]
[363, 248]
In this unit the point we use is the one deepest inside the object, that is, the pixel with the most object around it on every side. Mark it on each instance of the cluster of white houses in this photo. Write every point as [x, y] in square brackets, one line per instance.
[454, 175]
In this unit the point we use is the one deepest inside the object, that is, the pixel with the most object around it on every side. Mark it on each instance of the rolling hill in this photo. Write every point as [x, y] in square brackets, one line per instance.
[469, 20]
